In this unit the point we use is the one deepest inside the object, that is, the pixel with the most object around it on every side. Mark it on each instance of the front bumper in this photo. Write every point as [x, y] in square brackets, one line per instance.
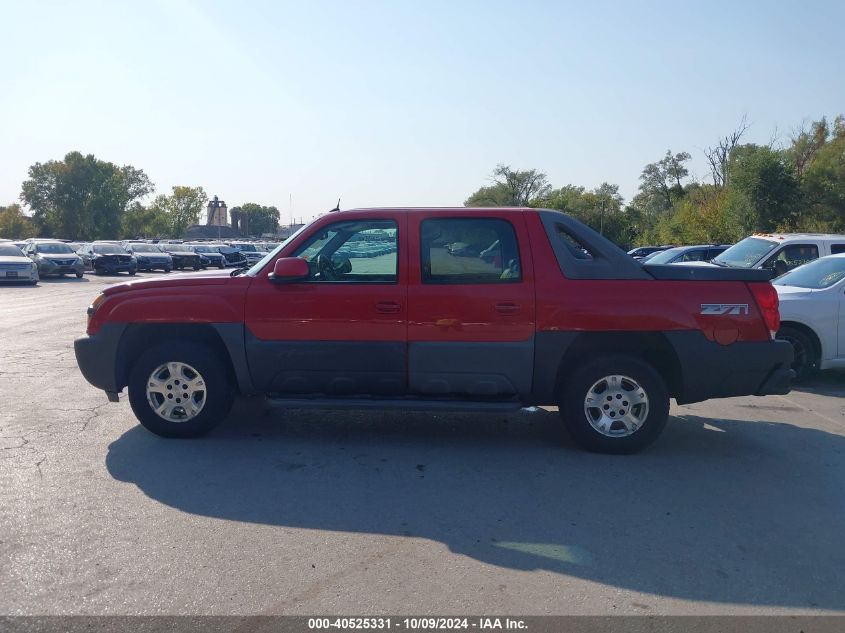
[25, 275]
[96, 356]
[76, 269]
[155, 264]
[746, 368]
[115, 268]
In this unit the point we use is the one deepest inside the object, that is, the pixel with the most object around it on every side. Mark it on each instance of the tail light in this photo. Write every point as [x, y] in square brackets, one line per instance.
[767, 302]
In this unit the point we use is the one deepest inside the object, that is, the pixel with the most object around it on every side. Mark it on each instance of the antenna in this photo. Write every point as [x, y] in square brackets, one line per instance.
[337, 208]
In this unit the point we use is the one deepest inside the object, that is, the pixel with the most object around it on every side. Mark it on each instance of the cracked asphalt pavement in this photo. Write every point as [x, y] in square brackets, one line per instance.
[739, 508]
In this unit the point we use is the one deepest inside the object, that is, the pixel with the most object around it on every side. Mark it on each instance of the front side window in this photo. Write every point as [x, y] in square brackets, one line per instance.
[694, 256]
[362, 251]
[792, 256]
[468, 251]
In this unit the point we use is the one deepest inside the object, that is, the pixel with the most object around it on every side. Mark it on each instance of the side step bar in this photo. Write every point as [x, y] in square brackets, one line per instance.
[410, 404]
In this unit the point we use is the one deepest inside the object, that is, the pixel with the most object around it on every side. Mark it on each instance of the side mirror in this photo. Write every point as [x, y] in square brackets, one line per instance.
[289, 269]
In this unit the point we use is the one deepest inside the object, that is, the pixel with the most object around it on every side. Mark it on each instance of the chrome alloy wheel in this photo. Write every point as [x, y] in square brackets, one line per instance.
[616, 406]
[176, 392]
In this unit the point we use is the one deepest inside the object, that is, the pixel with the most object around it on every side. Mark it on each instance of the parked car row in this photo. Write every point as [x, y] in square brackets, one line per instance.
[30, 260]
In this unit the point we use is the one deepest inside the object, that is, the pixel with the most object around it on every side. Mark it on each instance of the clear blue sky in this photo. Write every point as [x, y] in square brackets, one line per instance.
[402, 103]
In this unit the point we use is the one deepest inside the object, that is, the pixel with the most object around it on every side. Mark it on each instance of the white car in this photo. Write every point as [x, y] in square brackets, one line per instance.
[812, 314]
[15, 266]
[778, 252]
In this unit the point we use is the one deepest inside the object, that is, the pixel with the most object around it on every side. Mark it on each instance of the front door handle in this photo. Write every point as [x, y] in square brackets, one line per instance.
[507, 308]
[388, 307]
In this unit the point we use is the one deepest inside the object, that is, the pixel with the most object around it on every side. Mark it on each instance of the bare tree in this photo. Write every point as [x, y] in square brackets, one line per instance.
[522, 186]
[719, 154]
[806, 142]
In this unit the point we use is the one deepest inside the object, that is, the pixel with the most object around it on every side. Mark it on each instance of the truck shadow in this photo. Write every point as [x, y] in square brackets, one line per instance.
[718, 510]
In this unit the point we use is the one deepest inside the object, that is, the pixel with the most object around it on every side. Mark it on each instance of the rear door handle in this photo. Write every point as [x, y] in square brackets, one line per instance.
[388, 307]
[507, 308]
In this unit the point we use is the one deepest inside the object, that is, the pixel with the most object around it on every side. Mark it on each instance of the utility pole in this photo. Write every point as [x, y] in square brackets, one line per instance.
[601, 218]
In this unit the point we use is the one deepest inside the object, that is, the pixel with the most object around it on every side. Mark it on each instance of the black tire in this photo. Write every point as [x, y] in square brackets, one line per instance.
[581, 381]
[197, 267]
[221, 266]
[218, 396]
[132, 273]
[806, 359]
[167, 270]
[79, 275]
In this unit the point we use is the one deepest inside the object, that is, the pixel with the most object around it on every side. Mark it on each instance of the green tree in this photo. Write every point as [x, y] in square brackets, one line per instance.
[708, 214]
[823, 186]
[765, 177]
[14, 224]
[661, 181]
[144, 222]
[511, 188]
[180, 209]
[600, 209]
[82, 197]
[255, 219]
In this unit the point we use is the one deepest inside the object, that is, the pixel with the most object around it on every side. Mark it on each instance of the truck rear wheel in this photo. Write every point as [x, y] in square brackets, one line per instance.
[615, 404]
[179, 389]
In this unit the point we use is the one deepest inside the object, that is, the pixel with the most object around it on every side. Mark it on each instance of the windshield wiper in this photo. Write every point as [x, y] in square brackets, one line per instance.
[240, 270]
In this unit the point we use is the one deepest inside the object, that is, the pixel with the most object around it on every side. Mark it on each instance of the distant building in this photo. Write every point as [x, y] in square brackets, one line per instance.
[217, 213]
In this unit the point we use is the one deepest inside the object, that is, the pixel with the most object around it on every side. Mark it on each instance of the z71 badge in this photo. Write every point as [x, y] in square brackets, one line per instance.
[724, 308]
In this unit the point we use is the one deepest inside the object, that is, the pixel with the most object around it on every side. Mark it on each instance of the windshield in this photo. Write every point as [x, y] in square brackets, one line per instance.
[261, 263]
[145, 248]
[245, 247]
[818, 274]
[8, 250]
[746, 253]
[56, 248]
[108, 249]
[204, 249]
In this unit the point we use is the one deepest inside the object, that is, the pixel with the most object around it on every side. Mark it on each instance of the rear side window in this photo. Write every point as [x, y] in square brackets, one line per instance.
[572, 245]
[836, 249]
[469, 251]
[694, 256]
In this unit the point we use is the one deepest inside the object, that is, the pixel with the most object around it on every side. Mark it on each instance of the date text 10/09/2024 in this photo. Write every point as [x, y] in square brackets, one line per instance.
[418, 624]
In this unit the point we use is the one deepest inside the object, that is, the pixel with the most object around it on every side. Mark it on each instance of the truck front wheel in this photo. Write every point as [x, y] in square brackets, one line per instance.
[179, 389]
[614, 404]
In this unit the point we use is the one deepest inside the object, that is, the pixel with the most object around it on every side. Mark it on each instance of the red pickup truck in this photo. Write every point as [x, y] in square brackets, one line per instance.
[441, 309]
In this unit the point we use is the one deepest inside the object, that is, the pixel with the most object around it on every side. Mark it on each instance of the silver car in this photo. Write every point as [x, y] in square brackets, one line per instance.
[15, 266]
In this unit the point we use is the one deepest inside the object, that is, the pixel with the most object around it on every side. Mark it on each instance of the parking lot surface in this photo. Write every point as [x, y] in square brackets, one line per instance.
[738, 508]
